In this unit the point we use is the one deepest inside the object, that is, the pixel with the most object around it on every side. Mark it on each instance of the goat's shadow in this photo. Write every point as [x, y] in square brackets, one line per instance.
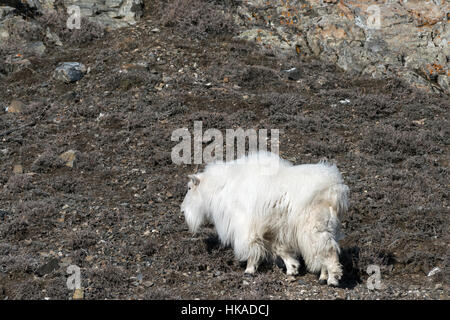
[349, 259]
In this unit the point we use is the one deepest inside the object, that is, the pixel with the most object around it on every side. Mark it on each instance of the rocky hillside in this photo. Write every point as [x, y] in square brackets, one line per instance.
[405, 39]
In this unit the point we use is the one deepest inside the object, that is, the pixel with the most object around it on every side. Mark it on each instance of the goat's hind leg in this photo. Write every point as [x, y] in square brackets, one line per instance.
[323, 275]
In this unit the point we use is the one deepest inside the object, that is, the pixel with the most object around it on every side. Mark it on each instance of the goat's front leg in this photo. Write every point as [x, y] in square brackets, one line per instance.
[257, 252]
[252, 266]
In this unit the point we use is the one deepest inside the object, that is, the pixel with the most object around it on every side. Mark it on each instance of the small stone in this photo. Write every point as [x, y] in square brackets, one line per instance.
[38, 48]
[148, 284]
[4, 34]
[438, 286]
[16, 106]
[18, 168]
[78, 294]
[290, 279]
[3, 214]
[434, 271]
[113, 3]
[155, 30]
[419, 122]
[69, 157]
[245, 283]
[6, 10]
[292, 74]
[69, 72]
[53, 37]
[47, 268]
[136, 66]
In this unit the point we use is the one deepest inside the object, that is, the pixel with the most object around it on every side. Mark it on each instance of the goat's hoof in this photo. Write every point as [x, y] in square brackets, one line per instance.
[322, 282]
[249, 275]
[333, 284]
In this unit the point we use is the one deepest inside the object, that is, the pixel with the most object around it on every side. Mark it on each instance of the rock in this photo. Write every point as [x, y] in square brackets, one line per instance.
[443, 81]
[38, 48]
[290, 279]
[4, 34]
[434, 271]
[109, 22]
[413, 287]
[69, 72]
[78, 294]
[41, 5]
[16, 64]
[48, 267]
[5, 11]
[3, 214]
[18, 168]
[301, 282]
[292, 74]
[131, 10]
[438, 286]
[16, 106]
[69, 158]
[53, 37]
[113, 3]
[140, 65]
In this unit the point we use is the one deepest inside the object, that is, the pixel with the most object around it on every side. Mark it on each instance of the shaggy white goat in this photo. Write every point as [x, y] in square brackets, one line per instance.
[262, 205]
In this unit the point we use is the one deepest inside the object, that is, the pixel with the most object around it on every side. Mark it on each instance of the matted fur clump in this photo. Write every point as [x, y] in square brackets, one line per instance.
[263, 206]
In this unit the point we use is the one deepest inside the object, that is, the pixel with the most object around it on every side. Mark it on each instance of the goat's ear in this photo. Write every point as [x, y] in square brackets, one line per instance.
[195, 178]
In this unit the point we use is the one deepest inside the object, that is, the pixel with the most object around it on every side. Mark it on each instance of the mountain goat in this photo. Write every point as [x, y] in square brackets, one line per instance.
[264, 206]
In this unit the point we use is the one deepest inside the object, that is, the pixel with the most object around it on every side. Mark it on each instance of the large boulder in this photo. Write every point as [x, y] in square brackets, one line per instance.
[108, 13]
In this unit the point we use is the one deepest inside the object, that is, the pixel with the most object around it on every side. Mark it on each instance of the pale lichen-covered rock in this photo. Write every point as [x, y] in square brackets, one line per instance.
[111, 14]
[16, 106]
[69, 158]
[5, 11]
[408, 39]
[4, 34]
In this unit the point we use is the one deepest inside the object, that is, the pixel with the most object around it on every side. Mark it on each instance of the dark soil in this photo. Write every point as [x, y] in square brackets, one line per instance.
[116, 213]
